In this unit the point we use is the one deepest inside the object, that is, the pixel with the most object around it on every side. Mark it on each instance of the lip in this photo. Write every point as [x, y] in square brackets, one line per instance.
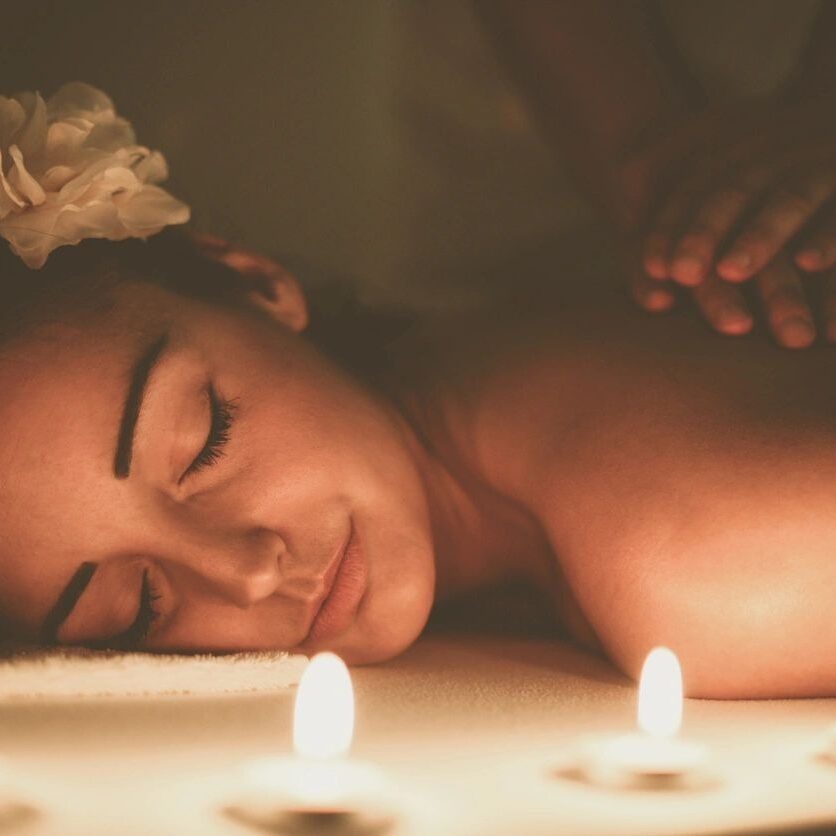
[347, 584]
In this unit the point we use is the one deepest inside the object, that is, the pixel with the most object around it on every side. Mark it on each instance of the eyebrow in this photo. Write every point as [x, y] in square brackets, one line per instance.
[133, 403]
[67, 601]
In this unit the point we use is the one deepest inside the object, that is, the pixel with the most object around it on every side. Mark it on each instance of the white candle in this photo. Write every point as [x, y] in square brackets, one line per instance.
[320, 788]
[654, 755]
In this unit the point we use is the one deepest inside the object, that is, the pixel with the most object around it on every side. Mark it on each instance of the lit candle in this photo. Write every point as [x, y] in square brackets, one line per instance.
[320, 788]
[655, 756]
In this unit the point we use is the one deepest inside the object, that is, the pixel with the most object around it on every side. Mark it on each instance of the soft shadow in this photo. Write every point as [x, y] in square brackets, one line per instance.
[525, 623]
[167, 723]
[295, 823]
[697, 783]
[14, 815]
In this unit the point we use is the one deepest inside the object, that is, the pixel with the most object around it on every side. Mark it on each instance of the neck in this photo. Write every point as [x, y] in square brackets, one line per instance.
[479, 537]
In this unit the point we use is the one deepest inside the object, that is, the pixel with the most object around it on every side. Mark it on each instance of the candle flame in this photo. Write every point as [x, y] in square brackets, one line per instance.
[660, 694]
[323, 718]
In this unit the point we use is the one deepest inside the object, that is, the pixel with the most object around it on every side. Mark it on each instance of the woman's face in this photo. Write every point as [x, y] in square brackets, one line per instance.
[176, 475]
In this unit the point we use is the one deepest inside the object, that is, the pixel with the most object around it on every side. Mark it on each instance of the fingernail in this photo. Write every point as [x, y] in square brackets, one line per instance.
[658, 300]
[809, 258]
[688, 269]
[734, 320]
[656, 268]
[735, 264]
[796, 332]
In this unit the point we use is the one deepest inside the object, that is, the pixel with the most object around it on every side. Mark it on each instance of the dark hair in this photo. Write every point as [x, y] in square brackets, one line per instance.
[77, 278]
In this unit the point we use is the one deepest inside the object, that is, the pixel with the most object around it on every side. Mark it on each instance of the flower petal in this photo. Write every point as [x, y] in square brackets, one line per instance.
[74, 171]
[64, 140]
[73, 190]
[12, 116]
[30, 235]
[111, 135]
[152, 208]
[75, 98]
[9, 197]
[25, 184]
[31, 138]
[57, 176]
[99, 219]
[152, 168]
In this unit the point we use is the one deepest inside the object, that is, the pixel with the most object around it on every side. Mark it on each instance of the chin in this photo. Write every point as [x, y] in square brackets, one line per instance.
[380, 649]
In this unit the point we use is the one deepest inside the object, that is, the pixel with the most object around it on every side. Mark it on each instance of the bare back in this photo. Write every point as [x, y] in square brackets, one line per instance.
[685, 482]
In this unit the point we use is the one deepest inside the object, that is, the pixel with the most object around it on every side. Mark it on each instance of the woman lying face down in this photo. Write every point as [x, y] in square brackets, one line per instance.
[187, 471]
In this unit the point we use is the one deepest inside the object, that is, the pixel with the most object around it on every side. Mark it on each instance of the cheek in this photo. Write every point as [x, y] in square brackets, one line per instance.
[316, 447]
[392, 520]
[304, 425]
[208, 623]
[400, 594]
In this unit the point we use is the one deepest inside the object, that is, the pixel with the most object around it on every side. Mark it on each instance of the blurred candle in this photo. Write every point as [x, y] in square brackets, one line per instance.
[321, 788]
[655, 755]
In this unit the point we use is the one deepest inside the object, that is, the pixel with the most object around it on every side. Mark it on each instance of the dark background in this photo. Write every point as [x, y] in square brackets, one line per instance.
[374, 138]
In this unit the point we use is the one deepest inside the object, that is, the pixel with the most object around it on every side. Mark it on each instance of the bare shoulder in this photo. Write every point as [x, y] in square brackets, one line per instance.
[687, 484]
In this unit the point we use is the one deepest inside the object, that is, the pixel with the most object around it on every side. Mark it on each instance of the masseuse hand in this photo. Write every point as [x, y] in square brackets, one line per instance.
[751, 198]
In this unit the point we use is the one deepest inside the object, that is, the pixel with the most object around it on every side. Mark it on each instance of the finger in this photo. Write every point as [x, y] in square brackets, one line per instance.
[651, 294]
[663, 230]
[818, 250]
[657, 245]
[724, 187]
[737, 176]
[694, 254]
[785, 305]
[699, 218]
[784, 213]
[684, 181]
[723, 306]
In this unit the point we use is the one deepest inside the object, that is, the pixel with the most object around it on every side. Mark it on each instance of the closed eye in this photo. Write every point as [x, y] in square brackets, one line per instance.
[222, 414]
[147, 614]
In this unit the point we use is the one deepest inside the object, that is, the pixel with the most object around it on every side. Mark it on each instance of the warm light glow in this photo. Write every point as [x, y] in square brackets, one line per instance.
[323, 719]
[660, 694]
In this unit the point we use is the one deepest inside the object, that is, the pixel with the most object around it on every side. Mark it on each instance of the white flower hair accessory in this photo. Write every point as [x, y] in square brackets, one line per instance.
[70, 169]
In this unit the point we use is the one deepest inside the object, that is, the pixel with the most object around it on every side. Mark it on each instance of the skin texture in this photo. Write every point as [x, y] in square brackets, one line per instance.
[237, 552]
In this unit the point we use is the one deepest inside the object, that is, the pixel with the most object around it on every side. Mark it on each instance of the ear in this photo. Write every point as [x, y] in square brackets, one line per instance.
[270, 287]
[277, 292]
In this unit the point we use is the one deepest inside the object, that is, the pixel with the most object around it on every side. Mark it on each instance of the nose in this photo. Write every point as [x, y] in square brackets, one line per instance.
[243, 569]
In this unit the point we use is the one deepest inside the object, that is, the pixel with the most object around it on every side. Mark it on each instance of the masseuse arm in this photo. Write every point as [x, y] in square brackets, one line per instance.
[757, 194]
[690, 497]
[613, 96]
[596, 82]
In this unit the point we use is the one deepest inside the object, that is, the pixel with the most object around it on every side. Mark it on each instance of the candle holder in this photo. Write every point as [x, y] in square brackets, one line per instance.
[654, 757]
[828, 752]
[321, 790]
[639, 761]
[292, 796]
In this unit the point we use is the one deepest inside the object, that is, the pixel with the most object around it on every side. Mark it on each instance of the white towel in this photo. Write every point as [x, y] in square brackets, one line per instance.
[72, 673]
